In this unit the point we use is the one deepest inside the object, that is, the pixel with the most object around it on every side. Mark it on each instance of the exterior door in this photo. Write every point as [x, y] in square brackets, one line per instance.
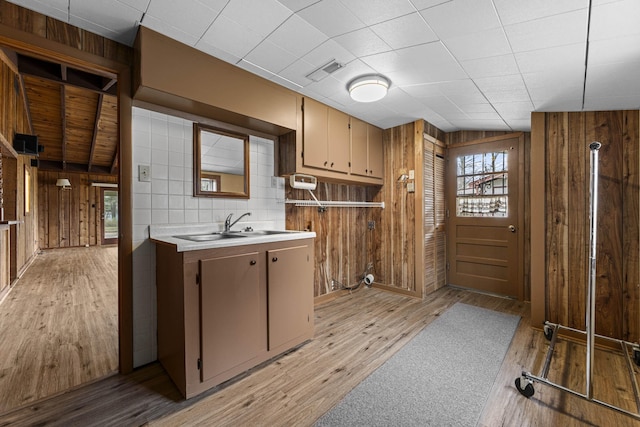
[109, 216]
[484, 208]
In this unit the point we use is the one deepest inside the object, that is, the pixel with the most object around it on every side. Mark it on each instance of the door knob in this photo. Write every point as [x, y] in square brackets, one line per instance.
[512, 228]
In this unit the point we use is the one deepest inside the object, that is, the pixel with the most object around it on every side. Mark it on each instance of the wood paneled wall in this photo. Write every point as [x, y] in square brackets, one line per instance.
[343, 244]
[566, 138]
[70, 218]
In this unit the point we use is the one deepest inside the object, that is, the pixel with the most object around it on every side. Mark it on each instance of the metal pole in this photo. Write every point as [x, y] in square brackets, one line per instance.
[591, 300]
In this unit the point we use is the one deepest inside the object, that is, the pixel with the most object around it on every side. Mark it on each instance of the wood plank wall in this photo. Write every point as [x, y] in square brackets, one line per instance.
[567, 136]
[70, 218]
[468, 137]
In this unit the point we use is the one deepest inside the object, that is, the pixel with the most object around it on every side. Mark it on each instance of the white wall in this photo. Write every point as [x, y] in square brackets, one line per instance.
[166, 144]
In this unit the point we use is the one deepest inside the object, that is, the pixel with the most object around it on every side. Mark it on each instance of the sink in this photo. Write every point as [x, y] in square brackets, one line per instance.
[210, 237]
[264, 232]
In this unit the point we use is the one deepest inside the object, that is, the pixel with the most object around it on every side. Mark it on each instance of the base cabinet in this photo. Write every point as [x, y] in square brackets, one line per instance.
[223, 311]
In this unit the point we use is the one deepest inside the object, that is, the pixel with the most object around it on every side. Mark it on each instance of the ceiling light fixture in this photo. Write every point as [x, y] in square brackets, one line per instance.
[368, 88]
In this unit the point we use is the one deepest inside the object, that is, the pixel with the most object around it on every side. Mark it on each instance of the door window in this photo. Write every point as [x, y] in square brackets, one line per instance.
[482, 185]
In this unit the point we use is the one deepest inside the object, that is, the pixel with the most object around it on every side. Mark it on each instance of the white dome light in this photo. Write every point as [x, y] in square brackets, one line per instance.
[368, 88]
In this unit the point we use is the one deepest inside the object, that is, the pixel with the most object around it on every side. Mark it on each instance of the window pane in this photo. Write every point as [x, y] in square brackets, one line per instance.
[482, 184]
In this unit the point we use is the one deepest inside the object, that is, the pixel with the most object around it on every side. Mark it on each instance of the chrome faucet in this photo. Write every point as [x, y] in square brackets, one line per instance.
[228, 224]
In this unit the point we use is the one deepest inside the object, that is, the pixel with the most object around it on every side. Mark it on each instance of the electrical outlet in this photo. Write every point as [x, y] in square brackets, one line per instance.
[411, 187]
[371, 225]
[144, 173]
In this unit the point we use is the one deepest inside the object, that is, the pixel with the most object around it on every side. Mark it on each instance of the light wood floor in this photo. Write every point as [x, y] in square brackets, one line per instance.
[59, 325]
[354, 335]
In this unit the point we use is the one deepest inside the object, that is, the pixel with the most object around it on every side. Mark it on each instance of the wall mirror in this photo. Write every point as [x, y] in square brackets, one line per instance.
[221, 162]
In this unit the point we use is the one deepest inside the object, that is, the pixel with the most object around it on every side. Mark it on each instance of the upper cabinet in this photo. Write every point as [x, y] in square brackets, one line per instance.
[325, 137]
[332, 146]
[366, 149]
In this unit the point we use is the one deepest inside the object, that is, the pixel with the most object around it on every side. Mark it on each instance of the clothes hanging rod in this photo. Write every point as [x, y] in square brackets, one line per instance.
[336, 204]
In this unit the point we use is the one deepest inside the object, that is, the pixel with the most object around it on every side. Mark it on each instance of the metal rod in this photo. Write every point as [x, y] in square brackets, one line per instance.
[580, 395]
[552, 346]
[632, 373]
[593, 227]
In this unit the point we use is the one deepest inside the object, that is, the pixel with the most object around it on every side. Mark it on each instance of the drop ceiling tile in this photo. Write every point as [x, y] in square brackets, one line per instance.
[375, 11]
[327, 51]
[477, 108]
[121, 32]
[255, 69]
[495, 125]
[616, 19]
[515, 11]
[554, 58]
[270, 57]
[558, 104]
[399, 100]
[231, 37]
[554, 85]
[503, 88]
[297, 36]
[502, 65]
[331, 17]
[327, 88]
[261, 17]
[362, 42]
[490, 115]
[611, 103]
[164, 27]
[619, 49]
[613, 80]
[425, 4]
[140, 5]
[484, 44]
[352, 70]
[296, 5]
[57, 9]
[523, 125]
[514, 110]
[405, 31]
[556, 30]
[297, 72]
[188, 16]
[456, 18]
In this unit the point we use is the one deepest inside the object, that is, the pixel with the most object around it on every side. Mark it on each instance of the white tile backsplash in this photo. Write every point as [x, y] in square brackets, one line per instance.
[166, 144]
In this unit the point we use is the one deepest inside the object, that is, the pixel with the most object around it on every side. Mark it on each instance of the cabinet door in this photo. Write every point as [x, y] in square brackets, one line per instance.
[315, 134]
[230, 312]
[290, 294]
[375, 152]
[338, 142]
[359, 155]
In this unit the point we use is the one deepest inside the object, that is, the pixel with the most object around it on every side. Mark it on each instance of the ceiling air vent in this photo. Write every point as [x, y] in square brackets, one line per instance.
[324, 70]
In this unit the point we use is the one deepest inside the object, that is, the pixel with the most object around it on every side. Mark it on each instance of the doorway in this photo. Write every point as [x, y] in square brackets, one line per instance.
[484, 199]
[109, 216]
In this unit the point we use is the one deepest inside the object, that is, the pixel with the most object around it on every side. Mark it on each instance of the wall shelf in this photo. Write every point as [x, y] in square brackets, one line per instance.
[337, 204]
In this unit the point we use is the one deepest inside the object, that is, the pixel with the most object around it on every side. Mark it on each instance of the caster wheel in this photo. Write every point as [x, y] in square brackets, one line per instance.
[528, 389]
[636, 356]
[548, 332]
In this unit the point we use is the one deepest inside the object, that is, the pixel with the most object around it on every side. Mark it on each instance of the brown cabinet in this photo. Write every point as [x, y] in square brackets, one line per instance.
[223, 311]
[290, 305]
[366, 149]
[325, 137]
[229, 312]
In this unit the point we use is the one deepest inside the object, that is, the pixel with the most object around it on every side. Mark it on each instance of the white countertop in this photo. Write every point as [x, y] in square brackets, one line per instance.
[166, 233]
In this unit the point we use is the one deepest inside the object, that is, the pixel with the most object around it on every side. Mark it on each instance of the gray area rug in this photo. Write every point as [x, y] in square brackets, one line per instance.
[442, 377]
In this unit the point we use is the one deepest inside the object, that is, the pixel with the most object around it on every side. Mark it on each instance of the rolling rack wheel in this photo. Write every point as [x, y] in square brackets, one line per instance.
[528, 389]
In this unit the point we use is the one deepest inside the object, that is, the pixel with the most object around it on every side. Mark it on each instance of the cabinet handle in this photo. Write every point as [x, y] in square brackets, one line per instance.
[274, 259]
[252, 262]
[331, 164]
[325, 163]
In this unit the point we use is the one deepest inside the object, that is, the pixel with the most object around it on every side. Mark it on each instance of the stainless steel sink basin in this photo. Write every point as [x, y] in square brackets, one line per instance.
[264, 232]
[210, 237]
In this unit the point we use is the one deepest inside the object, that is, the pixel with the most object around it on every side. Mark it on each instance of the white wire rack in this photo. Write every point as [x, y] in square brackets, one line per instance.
[337, 204]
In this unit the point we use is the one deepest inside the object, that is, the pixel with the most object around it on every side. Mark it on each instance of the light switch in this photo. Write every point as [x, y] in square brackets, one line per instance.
[144, 173]
[412, 174]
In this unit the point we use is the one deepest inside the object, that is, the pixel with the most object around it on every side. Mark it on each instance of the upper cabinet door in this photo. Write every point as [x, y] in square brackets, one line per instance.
[338, 142]
[359, 155]
[315, 134]
[376, 157]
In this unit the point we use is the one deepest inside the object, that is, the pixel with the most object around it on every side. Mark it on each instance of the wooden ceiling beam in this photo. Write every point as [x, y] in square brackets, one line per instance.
[95, 131]
[114, 162]
[55, 166]
[107, 87]
[25, 100]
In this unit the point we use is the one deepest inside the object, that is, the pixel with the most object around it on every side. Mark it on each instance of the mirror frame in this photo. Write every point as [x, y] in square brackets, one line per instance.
[198, 128]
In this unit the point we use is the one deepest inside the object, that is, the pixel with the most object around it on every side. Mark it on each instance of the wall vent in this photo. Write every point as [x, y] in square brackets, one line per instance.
[324, 70]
